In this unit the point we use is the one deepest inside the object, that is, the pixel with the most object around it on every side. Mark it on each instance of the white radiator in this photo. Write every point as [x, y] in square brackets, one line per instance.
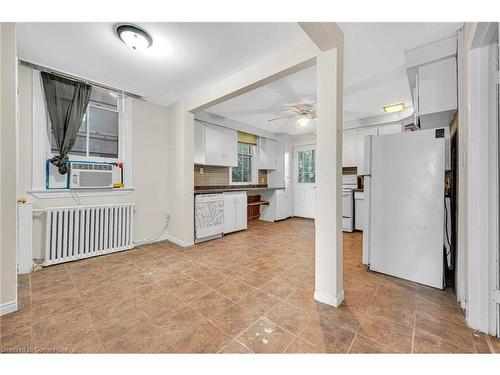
[80, 232]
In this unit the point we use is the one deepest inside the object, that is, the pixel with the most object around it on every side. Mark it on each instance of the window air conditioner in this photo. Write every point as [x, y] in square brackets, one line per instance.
[90, 175]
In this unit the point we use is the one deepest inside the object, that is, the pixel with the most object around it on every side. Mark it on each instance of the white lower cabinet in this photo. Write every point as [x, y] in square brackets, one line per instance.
[235, 211]
[283, 204]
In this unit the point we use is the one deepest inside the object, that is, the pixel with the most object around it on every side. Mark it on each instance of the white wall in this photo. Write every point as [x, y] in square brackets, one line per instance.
[149, 161]
[463, 139]
[482, 180]
[8, 63]
[303, 139]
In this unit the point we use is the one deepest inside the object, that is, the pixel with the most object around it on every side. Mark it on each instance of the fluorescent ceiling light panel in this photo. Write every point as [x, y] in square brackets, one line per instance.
[394, 107]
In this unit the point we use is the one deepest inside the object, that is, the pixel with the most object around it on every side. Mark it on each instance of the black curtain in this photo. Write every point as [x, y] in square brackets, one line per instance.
[67, 102]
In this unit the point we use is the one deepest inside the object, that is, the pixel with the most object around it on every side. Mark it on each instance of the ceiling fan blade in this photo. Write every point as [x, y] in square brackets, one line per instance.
[281, 118]
[292, 108]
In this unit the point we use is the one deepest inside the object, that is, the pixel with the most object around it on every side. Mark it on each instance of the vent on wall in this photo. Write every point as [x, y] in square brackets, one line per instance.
[73, 233]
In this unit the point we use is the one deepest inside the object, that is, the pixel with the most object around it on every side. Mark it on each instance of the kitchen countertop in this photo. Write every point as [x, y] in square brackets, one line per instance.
[222, 189]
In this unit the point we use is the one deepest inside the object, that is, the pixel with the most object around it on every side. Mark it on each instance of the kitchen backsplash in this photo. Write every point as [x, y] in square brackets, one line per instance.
[262, 176]
[205, 175]
[349, 170]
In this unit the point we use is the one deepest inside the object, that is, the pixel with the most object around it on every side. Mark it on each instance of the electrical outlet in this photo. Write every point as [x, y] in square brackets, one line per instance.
[201, 170]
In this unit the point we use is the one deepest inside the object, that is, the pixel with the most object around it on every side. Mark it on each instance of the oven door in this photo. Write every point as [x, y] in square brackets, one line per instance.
[347, 203]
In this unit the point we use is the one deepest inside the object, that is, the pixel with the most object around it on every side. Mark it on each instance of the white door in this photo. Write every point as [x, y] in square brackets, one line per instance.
[304, 196]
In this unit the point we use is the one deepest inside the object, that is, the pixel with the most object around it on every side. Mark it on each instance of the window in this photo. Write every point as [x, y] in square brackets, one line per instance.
[98, 134]
[306, 167]
[243, 172]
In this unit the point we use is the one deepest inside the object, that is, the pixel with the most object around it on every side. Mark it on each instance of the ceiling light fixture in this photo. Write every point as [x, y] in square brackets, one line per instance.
[134, 37]
[394, 107]
[303, 121]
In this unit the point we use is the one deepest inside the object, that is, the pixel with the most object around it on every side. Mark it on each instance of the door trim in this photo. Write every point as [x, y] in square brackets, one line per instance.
[296, 148]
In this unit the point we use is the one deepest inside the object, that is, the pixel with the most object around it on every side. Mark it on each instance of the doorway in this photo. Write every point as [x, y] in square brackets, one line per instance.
[304, 177]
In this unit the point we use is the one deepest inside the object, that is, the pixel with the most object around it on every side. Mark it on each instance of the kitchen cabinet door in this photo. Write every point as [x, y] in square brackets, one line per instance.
[267, 153]
[349, 148]
[241, 211]
[229, 213]
[360, 140]
[221, 146]
[235, 211]
[437, 86]
[283, 204]
[199, 143]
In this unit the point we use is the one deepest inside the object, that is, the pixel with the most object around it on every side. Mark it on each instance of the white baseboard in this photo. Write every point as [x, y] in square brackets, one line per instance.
[147, 241]
[8, 307]
[163, 237]
[334, 301]
[178, 242]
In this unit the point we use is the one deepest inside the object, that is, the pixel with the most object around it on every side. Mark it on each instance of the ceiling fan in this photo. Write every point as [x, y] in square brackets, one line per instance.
[302, 112]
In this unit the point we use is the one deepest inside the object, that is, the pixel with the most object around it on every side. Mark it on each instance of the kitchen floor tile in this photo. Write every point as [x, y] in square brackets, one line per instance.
[266, 337]
[248, 291]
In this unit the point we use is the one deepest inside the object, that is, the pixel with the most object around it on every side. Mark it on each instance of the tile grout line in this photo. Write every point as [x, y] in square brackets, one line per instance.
[414, 330]
[490, 345]
[85, 307]
[356, 334]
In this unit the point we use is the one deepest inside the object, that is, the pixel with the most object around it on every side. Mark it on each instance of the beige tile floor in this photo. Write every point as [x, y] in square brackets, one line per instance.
[250, 291]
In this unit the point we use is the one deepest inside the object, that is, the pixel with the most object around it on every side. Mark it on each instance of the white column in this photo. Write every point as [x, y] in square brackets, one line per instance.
[329, 82]
[180, 149]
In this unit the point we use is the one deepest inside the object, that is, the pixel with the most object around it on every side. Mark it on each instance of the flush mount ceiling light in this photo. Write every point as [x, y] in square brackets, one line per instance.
[394, 107]
[134, 37]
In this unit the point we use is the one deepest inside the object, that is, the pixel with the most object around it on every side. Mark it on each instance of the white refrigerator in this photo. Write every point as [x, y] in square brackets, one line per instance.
[404, 188]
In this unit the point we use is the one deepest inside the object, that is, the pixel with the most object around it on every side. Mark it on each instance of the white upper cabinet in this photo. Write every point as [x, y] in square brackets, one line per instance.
[349, 148]
[432, 76]
[199, 143]
[266, 153]
[353, 143]
[437, 87]
[215, 145]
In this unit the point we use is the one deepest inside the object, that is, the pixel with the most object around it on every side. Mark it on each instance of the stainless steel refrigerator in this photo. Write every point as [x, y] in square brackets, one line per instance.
[404, 188]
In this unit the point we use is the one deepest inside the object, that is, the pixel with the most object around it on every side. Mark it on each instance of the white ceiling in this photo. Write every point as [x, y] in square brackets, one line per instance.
[374, 76]
[183, 57]
[256, 107]
[187, 56]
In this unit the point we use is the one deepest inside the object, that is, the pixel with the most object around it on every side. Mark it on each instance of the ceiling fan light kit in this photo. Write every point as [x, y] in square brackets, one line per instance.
[303, 113]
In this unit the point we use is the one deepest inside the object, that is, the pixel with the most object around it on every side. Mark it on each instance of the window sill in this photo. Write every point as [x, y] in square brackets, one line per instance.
[65, 193]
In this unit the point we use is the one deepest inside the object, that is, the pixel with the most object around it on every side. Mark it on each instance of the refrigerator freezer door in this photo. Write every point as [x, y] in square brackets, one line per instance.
[406, 206]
